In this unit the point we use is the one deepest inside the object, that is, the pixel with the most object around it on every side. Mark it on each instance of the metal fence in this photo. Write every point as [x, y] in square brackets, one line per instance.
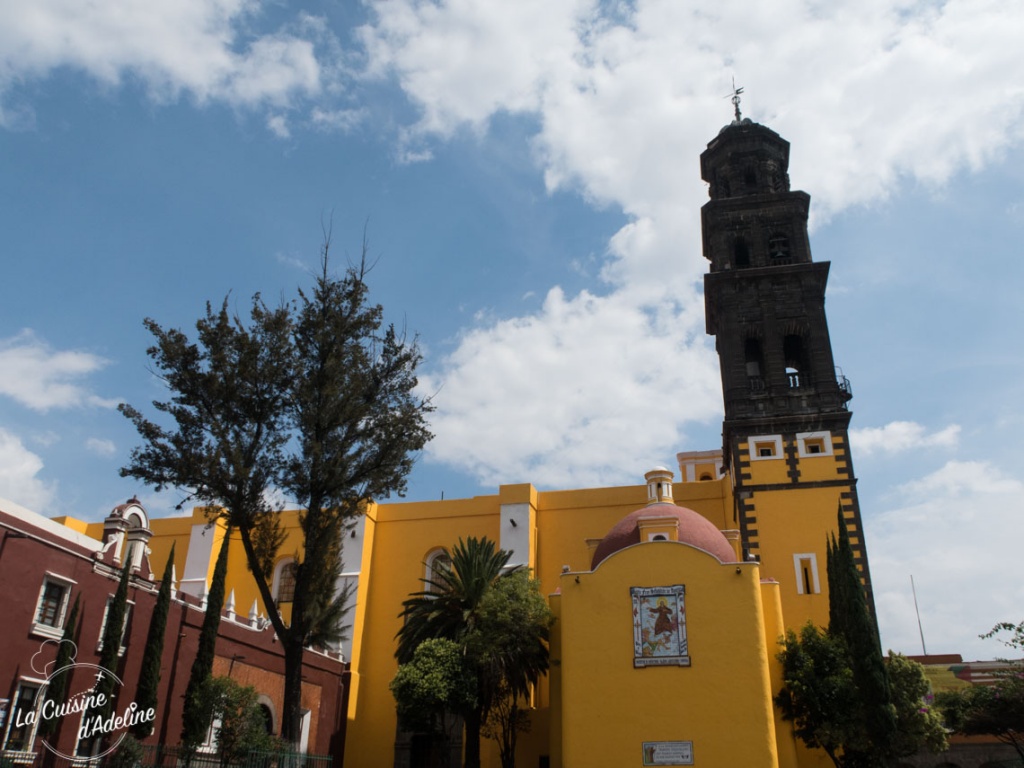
[160, 756]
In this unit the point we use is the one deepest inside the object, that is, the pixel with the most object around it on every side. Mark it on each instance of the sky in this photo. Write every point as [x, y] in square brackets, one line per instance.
[527, 177]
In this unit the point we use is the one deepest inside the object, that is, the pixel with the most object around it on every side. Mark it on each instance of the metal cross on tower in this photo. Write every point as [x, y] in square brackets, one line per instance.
[734, 97]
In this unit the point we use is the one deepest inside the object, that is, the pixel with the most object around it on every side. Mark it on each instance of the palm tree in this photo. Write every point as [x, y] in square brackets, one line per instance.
[449, 607]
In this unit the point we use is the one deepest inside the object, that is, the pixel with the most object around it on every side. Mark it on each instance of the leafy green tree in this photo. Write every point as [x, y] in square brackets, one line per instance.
[499, 619]
[510, 649]
[196, 716]
[821, 698]
[918, 725]
[449, 608]
[56, 691]
[241, 727]
[996, 710]
[315, 397]
[818, 693]
[434, 683]
[129, 754]
[149, 673]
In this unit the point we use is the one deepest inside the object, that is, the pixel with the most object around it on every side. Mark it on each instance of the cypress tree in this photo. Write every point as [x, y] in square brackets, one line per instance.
[58, 686]
[109, 655]
[850, 621]
[195, 718]
[149, 674]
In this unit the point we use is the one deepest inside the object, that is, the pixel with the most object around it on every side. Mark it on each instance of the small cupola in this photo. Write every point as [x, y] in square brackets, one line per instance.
[659, 486]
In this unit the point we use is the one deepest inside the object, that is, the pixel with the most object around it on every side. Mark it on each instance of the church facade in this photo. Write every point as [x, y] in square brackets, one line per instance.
[670, 594]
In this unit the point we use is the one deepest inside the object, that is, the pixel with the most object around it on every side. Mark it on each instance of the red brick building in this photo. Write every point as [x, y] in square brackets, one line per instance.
[45, 565]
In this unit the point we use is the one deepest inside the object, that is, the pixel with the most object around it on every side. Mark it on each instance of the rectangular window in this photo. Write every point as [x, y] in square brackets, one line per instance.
[806, 567]
[765, 447]
[21, 728]
[814, 444]
[50, 603]
[52, 606]
[124, 625]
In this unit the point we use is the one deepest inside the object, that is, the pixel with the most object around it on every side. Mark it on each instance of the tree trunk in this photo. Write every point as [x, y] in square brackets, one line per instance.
[473, 722]
[291, 717]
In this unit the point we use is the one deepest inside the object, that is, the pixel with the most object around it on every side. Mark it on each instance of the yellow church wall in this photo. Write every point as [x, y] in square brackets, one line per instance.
[774, 631]
[178, 531]
[402, 535]
[79, 526]
[794, 522]
[168, 532]
[722, 702]
[399, 539]
[563, 528]
[555, 683]
[712, 498]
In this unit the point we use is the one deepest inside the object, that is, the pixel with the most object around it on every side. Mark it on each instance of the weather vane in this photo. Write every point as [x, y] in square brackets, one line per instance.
[734, 97]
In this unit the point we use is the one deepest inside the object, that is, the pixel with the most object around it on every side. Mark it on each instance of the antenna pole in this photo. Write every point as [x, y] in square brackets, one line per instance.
[918, 612]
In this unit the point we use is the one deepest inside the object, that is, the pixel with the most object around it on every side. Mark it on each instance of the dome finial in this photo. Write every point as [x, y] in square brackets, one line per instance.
[734, 97]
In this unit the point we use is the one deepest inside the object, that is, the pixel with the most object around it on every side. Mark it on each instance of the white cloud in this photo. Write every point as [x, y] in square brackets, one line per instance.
[100, 446]
[199, 47]
[896, 88]
[899, 436]
[19, 468]
[626, 96]
[340, 120]
[278, 125]
[42, 378]
[962, 480]
[584, 393]
[953, 531]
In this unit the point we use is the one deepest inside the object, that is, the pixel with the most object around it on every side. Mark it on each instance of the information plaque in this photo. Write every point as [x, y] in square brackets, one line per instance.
[668, 753]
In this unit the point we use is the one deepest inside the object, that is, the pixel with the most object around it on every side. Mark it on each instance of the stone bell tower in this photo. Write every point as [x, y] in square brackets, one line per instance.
[785, 434]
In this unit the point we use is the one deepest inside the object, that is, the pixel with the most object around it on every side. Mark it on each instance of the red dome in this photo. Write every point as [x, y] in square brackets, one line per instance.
[695, 530]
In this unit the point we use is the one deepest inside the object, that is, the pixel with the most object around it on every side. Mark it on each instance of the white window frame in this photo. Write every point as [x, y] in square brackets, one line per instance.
[803, 438]
[55, 632]
[128, 608]
[815, 583]
[40, 686]
[775, 440]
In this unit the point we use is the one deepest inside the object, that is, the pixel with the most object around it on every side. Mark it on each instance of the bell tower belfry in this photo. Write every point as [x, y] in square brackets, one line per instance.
[785, 433]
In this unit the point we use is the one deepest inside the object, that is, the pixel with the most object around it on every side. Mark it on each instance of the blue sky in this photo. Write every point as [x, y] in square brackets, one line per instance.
[528, 175]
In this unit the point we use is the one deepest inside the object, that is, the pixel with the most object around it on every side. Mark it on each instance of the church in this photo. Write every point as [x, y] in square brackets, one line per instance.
[670, 595]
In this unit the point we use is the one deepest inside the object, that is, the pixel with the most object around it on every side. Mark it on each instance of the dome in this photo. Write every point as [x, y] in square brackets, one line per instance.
[695, 530]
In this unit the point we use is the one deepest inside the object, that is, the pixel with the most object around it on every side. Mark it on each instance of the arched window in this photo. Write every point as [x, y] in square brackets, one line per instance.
[796, 362]
[778, 248]
[267, 710]
[284, 582]
[740, 253]
[437, 562]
